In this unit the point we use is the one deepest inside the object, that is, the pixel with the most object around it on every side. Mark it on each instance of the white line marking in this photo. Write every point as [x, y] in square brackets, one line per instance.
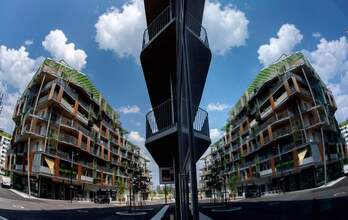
[160, 214]
[227, 210]
[130, 213]
[82, 211]
[3, 218]
[339, 194]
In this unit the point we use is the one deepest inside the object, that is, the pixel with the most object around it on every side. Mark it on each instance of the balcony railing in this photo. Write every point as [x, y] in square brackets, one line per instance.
[162, 117]
[195, 26]
[164, 18]
[157, 25]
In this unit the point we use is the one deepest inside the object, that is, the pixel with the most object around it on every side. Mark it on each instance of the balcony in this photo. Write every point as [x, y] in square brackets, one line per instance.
[306, 161]
[266, 172]
[68, 139]
[87, 179]
[266, 112]
[66, 105]
[157, 25]
[162, 118]
[165, 18]
[281, 99]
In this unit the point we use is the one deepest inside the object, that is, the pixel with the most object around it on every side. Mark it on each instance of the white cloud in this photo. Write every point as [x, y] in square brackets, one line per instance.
[16, 70]
[129, 109]
[121, 29]
[215, 134]
[9, 102]
[57, 45]
[316, 34]
[16, 67]
[330, 60]
[227, 26]
[287, 38]
[136, 138]
[28, 42]
[217, 106]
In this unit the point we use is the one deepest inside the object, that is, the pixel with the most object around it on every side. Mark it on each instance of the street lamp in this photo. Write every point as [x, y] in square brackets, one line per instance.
[71, 174]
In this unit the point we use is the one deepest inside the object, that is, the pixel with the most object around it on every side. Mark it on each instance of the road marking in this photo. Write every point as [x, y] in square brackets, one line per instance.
[82, 211]
[273, 203]
[3, 218]
[126, 213]
[160, 214]
[339, 194]
[227, 210]
[18, 206]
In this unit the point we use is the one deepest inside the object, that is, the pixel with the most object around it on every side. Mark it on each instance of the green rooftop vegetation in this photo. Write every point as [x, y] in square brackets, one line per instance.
[5, 134]
[343, 123]
[273, 70]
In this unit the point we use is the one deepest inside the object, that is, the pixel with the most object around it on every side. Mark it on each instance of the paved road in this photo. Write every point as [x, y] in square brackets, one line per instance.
[75, 214]
[320, 203]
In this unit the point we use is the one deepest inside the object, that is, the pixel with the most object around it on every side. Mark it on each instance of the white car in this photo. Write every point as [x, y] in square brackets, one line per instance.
[6, 181]
[345, 169]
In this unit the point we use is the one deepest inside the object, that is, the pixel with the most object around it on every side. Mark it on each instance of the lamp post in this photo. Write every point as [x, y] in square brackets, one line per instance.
[71, 174]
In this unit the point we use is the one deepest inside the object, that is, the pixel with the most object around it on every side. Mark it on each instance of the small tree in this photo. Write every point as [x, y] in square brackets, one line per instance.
[232, 184]
[120, 188]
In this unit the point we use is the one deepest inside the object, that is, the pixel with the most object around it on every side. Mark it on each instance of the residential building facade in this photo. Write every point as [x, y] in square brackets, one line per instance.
[67, 134]
[5, 141]
[344, 131]
[279, 133]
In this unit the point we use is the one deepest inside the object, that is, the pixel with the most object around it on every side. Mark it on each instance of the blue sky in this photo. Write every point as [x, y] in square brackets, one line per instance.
[103, 39]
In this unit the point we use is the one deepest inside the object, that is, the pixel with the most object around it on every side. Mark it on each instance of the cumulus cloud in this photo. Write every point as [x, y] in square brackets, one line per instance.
[217, 106]
[16, 67]
[215, 134]
[120, 29]
[129, 109]
[287, 38]
[227, 26]
[28, 42]
[136, 138]
[16, 70]
[316, 34]
[330, 60]
[56, 43]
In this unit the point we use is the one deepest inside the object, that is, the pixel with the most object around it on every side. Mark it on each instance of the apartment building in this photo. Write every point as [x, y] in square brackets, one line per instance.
[5, 141]
[66, 134]
[344, 131]
[279, 133]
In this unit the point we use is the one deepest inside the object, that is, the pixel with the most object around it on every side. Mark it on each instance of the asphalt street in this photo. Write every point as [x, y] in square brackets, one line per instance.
[319, 203]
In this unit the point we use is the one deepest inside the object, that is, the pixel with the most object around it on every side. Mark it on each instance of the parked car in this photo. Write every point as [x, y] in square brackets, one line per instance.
[345, 169]
[252, 191]
[6, 181]
[102, 197]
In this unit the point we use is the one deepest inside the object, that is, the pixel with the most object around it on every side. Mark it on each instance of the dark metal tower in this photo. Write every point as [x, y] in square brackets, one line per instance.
[175, 60]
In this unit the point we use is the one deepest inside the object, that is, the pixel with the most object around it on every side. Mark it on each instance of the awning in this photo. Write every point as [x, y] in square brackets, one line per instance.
[302, 155]
[50, 164]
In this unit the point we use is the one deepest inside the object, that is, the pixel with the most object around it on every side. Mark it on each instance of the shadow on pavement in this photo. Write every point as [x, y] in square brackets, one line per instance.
[333, 208]
[75, 214]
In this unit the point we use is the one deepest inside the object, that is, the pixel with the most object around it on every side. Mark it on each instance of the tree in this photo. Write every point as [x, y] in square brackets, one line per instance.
[120, 188]
[232, 184]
